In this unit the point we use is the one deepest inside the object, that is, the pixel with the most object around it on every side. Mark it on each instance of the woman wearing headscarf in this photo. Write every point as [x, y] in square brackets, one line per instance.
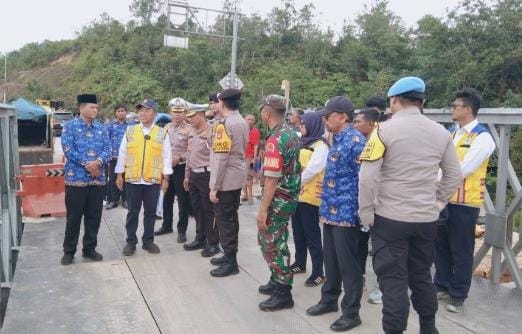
[305, 221]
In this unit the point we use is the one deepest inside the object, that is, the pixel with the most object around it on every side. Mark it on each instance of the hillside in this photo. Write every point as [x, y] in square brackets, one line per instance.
[475, 45]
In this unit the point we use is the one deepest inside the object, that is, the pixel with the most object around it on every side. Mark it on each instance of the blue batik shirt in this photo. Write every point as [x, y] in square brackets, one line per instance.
[339, 201]
[116, 131]
[83, 142]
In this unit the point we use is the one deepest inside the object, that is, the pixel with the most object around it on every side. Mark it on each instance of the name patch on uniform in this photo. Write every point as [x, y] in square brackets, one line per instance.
[273, 159]
[222, 142]
[374, 149]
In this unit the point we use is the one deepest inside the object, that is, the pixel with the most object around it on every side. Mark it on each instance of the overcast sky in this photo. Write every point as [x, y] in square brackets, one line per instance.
[37, 20]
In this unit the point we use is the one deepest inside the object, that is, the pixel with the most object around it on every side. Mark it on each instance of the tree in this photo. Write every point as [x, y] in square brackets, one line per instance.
[145, 10]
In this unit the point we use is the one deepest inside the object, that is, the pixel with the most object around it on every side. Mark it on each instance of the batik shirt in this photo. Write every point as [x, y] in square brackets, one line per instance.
[281, 160]
[83, 142]
[116, 130]
[339, 201]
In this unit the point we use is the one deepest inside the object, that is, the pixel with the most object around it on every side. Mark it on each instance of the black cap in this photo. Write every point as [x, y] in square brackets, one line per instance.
[376, 101]
[229, 94]
[340, 104]
[213, 97]
[87, 98]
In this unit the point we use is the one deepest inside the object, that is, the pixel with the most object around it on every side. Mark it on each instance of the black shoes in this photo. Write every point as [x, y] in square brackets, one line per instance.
[196, 244]
[111, 205]
[182, 238]
[151, 247]
[92, 255]
[230, 267]
[218, 261]
[163, 230]
[129, 249]
[314, 281]
[320, 309]
[344, 324]
[67, 259]
[297, 269]
[281, 299]
[124, 205]
[268, 288]
[210, 250]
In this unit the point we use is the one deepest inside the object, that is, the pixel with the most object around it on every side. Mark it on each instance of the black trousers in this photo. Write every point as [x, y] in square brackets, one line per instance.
[307, 236]
[227, 220]
[454, 250]
[115, 194]
[176, 189]
[86, 202]
[138, 194]
[364, 237]
[342, 268]
[402, 258]
[203, 209]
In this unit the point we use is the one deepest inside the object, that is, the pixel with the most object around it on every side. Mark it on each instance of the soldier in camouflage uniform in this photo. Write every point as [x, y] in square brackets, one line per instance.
[281, 187]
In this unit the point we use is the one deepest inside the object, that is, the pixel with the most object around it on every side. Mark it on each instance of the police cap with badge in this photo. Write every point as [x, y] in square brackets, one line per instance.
[178, 105]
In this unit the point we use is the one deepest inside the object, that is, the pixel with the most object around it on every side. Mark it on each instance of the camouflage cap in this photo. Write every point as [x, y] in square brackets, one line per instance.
[276, 102]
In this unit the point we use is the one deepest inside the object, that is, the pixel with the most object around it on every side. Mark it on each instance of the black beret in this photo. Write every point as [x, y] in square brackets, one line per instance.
[376, 101]
[87, 98]
[340, 104]
[230, 94]
[213, 97]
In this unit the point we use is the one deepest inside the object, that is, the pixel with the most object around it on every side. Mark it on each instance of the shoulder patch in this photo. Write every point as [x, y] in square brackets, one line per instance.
[374, 149]
[221, 143]
[273, 160]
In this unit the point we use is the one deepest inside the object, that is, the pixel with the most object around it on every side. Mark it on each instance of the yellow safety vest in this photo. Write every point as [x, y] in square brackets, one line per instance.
[471, 191]
[144, 154]
[312, 190]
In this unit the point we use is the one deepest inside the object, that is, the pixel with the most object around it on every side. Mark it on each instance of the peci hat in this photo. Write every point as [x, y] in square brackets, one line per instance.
[229, 94]
[407, 85]
[340, 104]
[276, 102]
[87, 98]
[147, 103]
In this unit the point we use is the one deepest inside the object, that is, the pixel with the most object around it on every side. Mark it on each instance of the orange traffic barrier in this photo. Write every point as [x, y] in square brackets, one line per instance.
[42, 190]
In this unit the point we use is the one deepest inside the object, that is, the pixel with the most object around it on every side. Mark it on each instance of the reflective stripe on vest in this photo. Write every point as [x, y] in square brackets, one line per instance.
[144, 156]
[471, 191]
[312, 190]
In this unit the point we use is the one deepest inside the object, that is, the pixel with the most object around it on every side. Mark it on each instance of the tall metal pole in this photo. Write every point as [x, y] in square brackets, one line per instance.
[234, 50]
[5, 77]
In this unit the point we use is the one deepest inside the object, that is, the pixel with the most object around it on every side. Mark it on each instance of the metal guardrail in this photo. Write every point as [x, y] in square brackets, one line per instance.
[10, 216]
[499, 216]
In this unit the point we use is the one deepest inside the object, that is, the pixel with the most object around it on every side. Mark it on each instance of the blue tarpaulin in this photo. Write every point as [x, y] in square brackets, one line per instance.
[27, 111]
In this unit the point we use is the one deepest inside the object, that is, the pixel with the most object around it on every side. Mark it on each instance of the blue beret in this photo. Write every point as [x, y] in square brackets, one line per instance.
[407, 84]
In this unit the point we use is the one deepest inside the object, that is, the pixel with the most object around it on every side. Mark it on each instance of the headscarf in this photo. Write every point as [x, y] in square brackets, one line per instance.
[313, 123]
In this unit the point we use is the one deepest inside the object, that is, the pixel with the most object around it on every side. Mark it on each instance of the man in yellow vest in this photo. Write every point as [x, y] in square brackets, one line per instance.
[455, 243]
[305, 221]
[145, 158]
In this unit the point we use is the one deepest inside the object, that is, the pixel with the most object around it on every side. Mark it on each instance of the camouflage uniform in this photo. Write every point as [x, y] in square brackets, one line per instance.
[281, 160]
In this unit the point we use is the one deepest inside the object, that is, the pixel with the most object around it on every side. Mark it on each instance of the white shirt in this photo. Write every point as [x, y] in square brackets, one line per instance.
[122, 156]
[481, 149]
[316, 164]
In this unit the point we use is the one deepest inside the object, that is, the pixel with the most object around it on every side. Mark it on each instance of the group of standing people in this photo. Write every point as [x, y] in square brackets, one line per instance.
[382, 175]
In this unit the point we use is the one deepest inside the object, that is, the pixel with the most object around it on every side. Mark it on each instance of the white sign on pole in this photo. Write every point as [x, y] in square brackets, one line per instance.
[176, 42]
[226, 82]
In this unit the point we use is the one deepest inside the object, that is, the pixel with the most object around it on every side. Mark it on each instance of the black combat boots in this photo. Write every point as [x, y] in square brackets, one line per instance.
[281, 298]
[230, 267]
[268, 288]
